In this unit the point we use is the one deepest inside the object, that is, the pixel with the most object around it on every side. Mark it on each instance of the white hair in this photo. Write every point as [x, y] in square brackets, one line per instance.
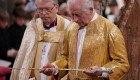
[63, 5]
[86, 4]
[54, 1]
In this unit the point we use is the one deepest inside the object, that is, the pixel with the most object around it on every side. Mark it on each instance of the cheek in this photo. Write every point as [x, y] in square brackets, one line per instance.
[39, 15]
[85, 20]
[54, 13]
[81, 21]
[56, 10]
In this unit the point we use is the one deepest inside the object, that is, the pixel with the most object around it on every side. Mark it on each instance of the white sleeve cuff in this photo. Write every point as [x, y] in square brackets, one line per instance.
[56, 69]
[11, 53]
[104, 74]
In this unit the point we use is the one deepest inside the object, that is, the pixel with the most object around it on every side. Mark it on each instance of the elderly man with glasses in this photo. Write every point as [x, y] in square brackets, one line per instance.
[41, 43]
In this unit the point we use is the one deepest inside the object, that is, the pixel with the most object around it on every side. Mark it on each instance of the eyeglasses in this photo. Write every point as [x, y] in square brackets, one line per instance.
[46, 10]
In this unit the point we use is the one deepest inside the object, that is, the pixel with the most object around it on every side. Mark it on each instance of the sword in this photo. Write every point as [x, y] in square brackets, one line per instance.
[64, 69]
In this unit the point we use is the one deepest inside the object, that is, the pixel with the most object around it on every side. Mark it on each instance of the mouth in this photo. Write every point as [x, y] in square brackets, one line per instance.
[45, 17]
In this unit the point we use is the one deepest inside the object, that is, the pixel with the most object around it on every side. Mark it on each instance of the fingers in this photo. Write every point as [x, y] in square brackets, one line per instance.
[43, 68]
[87, 71]
[47, 71]
[94, 67]
[93, 71]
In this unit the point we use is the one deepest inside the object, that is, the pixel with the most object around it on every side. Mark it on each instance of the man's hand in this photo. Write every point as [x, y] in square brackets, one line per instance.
[46, 71]
[93, 71]
[12, 53]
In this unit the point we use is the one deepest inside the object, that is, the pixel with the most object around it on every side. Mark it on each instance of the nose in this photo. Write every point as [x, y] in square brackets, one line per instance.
[43, 12]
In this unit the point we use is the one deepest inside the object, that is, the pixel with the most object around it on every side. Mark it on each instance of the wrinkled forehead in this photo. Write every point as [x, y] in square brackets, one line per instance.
[43, 3]
[74, 5]
[75, 9]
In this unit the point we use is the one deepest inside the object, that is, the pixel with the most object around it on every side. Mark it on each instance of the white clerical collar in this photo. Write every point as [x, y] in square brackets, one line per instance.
[95, 16]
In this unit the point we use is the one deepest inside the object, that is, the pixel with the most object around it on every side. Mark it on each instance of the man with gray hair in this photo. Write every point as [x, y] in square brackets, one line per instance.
[94, 49]
[41, 42]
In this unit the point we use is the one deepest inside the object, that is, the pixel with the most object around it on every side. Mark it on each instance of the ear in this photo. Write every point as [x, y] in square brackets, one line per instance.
[57, 7]
[91, 10]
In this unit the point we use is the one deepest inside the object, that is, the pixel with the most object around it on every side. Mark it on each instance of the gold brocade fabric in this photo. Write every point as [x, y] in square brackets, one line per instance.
[103, 46]
[53, 36]
[29, 55]
[26, 52]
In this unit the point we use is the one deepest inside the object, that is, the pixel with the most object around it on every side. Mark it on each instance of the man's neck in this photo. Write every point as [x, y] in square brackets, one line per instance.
[93, 14]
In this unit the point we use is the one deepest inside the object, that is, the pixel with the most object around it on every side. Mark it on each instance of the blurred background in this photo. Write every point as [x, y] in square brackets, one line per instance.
[15, 15]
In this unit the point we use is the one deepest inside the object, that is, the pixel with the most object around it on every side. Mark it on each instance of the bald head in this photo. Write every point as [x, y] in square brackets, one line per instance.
[83, 4]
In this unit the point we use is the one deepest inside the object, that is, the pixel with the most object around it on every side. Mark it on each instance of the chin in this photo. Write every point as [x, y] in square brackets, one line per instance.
[81, 25]
[46, 21]
[78, 24]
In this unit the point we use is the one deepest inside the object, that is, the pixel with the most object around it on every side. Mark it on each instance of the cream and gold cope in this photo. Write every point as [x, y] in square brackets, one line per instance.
[103, 46]
[29, 55]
